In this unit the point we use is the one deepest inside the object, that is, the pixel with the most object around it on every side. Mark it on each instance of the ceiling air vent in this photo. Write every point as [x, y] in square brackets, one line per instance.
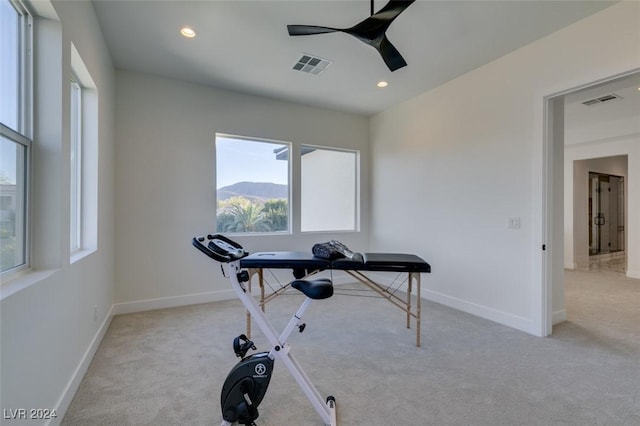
[311, 64]
[602, 99]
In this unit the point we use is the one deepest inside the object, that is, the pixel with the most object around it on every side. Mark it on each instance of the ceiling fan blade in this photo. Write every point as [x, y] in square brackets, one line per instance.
[298, 30]
[392, 9]
[371, 31]
[390, 54]
[378, 23]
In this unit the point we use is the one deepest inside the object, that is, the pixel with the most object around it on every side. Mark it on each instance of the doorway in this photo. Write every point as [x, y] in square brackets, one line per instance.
[555, 169]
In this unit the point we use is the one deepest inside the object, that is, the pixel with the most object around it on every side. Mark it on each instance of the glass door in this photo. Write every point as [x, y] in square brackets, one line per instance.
[606, 213]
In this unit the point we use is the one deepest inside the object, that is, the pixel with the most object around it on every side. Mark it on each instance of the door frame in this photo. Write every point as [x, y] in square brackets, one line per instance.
[548, 214]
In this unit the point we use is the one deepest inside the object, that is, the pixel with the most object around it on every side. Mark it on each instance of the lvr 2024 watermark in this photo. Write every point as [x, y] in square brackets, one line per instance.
[28, 414]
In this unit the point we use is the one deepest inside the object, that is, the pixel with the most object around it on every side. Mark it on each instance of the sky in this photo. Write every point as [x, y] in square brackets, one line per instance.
[8, 87]
[7, 161]
[240, 160]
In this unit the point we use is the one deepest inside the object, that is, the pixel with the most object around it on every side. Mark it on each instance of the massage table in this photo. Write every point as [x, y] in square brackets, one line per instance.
[359, 267]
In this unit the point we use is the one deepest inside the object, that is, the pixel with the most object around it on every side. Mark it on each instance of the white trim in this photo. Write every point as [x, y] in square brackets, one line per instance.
[171, 302]
[76, 378]
[193, 299]
[598, 142]
[503, 318]
[633, 274]
[559, 316]
[24, 278]
[542, 211]
[538, 235]
[80, 254]
[75, 158]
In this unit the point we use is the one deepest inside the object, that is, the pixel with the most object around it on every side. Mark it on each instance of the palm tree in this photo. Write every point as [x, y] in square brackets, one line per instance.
[275, 212]
[249, 218]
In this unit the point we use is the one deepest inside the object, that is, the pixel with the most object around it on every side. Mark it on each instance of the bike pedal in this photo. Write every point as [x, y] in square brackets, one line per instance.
[241, 345]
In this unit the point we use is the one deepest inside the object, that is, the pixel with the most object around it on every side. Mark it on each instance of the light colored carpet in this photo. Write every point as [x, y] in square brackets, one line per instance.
[167, 367]
[603, 308]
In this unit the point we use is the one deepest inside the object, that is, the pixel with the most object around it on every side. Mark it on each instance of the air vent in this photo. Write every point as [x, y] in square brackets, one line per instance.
[602, 99]
[311, 64]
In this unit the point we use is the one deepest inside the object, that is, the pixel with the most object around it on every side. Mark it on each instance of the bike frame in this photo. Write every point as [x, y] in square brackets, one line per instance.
[280, 349]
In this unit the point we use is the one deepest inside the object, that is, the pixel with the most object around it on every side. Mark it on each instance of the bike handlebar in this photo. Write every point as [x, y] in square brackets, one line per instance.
[219, 248]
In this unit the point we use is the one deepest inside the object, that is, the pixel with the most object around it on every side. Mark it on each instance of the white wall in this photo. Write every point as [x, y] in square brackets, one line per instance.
[48, 327]
[457, 161]
[165, 172]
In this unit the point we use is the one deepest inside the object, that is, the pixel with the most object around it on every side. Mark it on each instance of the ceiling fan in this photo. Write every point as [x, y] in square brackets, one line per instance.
[372, 31]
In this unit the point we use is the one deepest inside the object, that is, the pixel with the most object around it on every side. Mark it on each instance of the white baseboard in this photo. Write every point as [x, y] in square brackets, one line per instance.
[171, 302]
[559, 316]
[504, 318]
[192, 299]
[633, 274]
[72, 386]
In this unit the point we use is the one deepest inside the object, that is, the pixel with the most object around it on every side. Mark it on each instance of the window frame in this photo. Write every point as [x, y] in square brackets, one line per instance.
[23, 134]
[357, 183]
[288, 149]
[86, 125]
[75, 158]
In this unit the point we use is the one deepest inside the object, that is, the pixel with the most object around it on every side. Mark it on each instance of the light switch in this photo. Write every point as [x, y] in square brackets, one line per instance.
[514, 223]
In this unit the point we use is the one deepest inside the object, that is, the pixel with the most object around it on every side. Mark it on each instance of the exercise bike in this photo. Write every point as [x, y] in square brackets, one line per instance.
[247, 382]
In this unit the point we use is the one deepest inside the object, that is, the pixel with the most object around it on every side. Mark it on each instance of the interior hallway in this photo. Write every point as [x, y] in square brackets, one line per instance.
[603, 305]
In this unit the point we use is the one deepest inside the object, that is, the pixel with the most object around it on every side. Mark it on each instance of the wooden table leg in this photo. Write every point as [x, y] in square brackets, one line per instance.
[418, 308]
[261, 282]
[248, 314]
[409, 289]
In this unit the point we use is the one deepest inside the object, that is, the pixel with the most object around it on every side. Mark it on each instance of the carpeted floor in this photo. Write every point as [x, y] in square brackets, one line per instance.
[166, 367]
[603, 309]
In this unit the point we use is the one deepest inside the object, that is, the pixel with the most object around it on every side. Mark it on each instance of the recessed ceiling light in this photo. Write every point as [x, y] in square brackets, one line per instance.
[382, 84]
[188, 32]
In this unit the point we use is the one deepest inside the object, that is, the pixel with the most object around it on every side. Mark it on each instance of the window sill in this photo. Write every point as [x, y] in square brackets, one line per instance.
[342, 231]
[80, 254]
[22, 280]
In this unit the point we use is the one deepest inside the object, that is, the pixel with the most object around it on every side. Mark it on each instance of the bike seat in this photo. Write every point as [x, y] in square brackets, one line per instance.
[321, 288]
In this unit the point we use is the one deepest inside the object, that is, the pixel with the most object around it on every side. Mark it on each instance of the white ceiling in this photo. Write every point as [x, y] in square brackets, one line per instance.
[244, 45]
[625, 106]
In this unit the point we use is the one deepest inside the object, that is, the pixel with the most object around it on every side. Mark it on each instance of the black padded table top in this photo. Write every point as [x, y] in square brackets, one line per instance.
[284, 260]
[382, 262]
[392, 262]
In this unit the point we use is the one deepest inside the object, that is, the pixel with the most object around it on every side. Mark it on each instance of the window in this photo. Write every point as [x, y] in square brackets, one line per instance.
[75, 176]
[329, 194]
[252, 182]
[83, 160]
[15, 143]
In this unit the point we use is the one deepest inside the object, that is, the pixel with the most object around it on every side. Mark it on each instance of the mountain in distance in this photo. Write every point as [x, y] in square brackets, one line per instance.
[253, 191]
